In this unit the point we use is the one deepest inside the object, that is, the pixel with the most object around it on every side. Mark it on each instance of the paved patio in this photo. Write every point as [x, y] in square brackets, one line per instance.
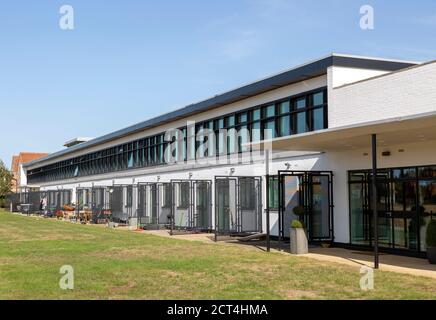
[393, 263]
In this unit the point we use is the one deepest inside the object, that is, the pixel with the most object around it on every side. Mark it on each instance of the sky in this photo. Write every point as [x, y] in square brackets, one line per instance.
[128, 61]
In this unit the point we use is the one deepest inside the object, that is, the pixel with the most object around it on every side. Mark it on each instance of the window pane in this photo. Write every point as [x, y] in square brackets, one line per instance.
[318, 119]
[231, 139]
[285, 126]
[427, 172]
[167, 201]
[221, 138]
[231, 121]
[270, 127]
[191, 145]
[284, 107]
[243, 139]
[255, 131]
[273, 193]
[220, 123]
[409, 173]
[318, 99]
[248, 192]
[256, 114]
[300, 103]
[270, 111]
[301, 123]
[427, 205]
[242, 118]
[183, 195]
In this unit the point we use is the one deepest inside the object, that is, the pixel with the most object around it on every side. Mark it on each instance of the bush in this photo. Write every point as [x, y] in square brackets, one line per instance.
[431, 234]
[2, 203]
[296, 224]
[298, 211]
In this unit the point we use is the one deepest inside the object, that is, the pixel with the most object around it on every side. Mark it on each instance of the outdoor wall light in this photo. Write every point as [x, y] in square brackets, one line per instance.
[190, 175]
[232, 170]
[158, 178]
[288, 165]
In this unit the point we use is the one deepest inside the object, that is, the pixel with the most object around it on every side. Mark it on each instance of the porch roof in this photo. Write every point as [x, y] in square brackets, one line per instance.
[408, 129]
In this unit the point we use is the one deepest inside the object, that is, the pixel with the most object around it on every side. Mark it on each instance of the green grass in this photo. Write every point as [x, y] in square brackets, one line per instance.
[118, 264]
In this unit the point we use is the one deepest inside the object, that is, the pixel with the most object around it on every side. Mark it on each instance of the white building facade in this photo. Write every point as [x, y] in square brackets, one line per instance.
[316, 120]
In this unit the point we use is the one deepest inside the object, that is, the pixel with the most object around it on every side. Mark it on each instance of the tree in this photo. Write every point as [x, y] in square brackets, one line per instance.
[5, 180]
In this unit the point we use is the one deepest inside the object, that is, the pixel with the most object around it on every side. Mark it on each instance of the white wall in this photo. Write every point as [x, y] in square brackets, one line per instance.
[339, 76]
[398, 94]
[23, 176]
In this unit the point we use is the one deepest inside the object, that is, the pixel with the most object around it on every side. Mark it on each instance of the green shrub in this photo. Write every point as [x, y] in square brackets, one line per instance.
[298, 211]
[431, 234]
[296, 224]
[2, 203]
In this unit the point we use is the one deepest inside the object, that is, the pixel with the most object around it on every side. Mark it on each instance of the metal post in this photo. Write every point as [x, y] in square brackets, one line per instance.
[268, 242]
[374, 198]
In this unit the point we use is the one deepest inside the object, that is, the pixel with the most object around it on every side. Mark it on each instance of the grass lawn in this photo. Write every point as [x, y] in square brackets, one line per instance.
[118, 264]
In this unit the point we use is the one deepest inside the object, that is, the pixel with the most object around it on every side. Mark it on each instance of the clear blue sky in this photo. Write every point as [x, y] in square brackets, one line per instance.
[130, 60]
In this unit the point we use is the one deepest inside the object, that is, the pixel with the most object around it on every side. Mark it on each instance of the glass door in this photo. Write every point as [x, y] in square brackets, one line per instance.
[312, 192]
[385, 237]
[319, 211]
[226, 207]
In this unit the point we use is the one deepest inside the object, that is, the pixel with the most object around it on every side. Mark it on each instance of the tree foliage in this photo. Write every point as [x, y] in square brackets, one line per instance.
[5, 180]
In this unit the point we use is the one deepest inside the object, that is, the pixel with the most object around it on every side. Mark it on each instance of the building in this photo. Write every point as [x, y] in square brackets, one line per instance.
[19, 175]
[318, 121]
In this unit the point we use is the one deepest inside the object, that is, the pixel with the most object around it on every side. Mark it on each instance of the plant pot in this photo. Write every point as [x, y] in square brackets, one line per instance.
[299, 243]
[431, 255]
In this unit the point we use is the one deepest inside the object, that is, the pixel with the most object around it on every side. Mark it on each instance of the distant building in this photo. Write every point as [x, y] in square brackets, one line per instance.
[20, 179]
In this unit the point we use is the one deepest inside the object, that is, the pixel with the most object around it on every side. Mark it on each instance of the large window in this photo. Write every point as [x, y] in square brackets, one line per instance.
[406, 202]
[293, 115]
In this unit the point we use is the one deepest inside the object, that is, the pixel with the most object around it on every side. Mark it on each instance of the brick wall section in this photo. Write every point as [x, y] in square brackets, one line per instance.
[17, 161]
[403, 93]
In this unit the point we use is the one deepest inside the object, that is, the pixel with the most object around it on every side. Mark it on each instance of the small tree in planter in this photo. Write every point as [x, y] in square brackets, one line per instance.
[299, 243]
[431, 242]
[299, 212]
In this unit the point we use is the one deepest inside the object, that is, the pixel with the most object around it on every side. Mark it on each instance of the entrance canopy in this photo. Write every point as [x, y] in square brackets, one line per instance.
[410, 129]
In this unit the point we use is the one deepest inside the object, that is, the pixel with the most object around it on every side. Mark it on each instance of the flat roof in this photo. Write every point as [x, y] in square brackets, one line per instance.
[296, 74]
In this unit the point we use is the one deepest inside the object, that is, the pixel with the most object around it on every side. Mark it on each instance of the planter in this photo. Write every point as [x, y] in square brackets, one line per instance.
[431, 255]
[299, 243]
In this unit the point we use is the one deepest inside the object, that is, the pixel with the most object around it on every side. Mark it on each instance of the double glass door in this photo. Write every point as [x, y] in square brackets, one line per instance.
[312, 191]
[398, 213]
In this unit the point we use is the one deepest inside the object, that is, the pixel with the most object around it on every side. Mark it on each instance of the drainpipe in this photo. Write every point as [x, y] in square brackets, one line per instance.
[374, 198]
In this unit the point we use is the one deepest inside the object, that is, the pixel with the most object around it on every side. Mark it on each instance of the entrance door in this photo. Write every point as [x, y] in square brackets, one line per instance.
[148, 206]
[312, 192]
[202, 218]
[226, 208]
[397, 198]
[397, 211]
[319, 207]
[238, 205]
